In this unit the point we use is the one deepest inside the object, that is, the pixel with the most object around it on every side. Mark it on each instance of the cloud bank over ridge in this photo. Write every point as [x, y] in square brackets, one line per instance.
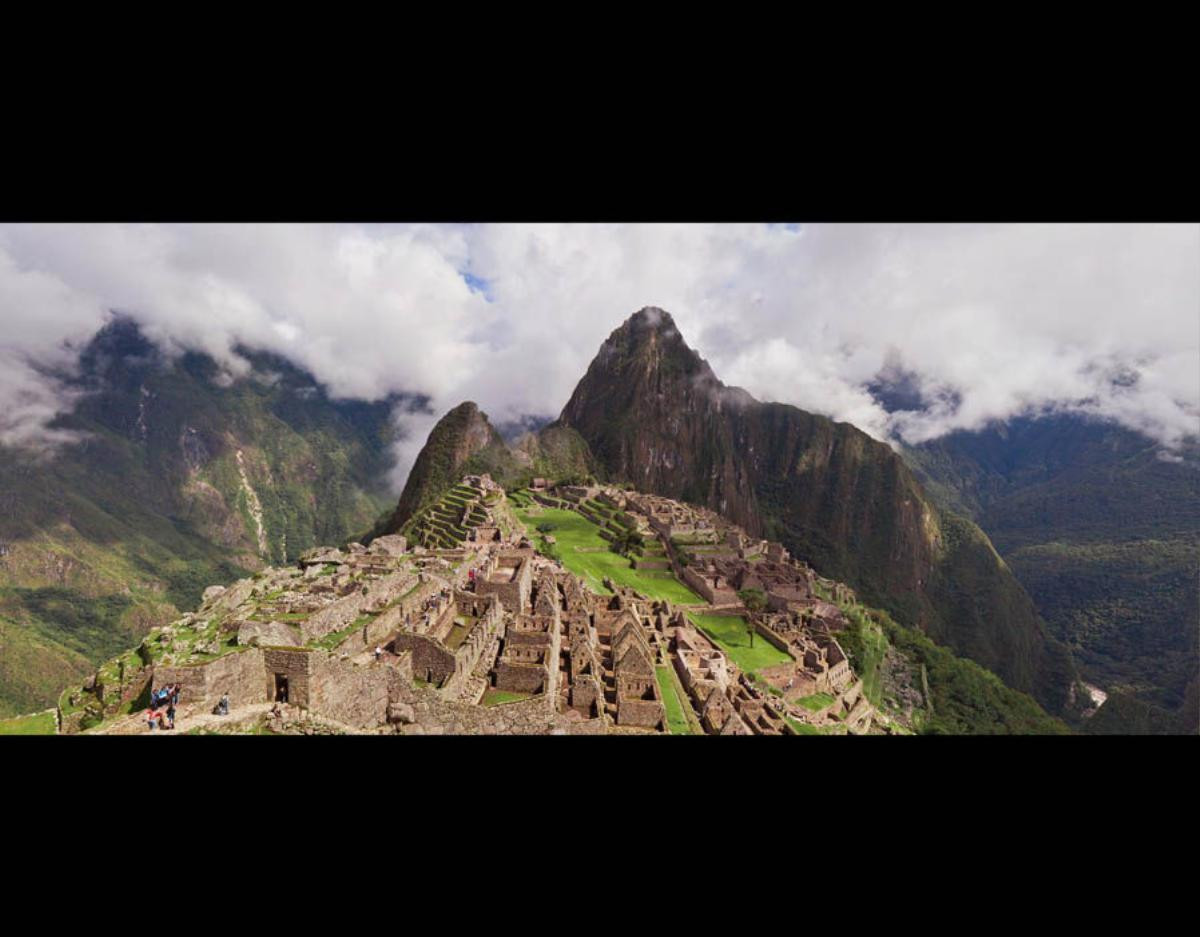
[987, 321]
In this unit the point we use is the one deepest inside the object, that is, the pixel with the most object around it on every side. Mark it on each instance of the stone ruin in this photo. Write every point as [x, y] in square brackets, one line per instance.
[395, 637]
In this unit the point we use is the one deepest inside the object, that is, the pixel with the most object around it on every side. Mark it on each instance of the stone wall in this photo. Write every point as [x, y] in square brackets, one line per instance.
[516, 677]
[333, 617]
[514, 593]
[430, 659]
[341, 613]
[772, 638]
[240, 674]
[432, 715]
[294, 664]
[357, 695]
[646, 714]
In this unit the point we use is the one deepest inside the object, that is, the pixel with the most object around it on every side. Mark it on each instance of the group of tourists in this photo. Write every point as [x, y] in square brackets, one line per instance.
[161, 714]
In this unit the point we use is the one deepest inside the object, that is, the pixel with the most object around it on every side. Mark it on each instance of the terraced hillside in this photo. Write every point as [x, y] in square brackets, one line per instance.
[925, 688]
[445, 523]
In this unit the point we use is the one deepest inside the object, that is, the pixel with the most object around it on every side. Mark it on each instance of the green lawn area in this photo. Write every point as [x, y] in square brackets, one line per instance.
[875, 645]
[37, 724]
[729, 631]
[573, 530]
[816, 702]
[492, 697]
[803, 727]
[677, 722]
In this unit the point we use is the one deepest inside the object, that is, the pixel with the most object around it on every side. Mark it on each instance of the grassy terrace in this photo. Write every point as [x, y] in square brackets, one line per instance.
[331, 641]
[816, 702]
[37, 724]
[495, 697]
[585, 553]
[677, 721]
[729, 631]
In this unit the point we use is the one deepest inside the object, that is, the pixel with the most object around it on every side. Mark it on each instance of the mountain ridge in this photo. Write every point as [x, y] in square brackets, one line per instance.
[178, 480]
[653, 412]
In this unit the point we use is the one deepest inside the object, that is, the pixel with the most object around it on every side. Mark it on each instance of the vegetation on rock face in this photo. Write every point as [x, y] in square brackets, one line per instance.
[116, 533]
[463, 442]
[1103, 532]
[963, 698]
[654, 413]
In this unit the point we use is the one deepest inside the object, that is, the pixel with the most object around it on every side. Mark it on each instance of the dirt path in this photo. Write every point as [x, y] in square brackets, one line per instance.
[186, 719]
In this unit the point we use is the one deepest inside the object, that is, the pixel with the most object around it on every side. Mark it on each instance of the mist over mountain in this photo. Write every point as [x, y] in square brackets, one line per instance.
[651, 412]
[1104, 533]
[176, 478]
[993, 321]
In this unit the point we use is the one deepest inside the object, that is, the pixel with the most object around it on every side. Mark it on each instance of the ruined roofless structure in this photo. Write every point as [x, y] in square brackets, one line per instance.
[482, 634]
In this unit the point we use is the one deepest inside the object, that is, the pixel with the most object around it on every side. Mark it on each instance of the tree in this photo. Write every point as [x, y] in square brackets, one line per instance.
[627, 541]
[755, 601]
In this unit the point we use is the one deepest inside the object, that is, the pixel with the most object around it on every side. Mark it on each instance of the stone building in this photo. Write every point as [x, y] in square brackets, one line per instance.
[529, 661]
[508, 579]
[639, 699]
[445, 656]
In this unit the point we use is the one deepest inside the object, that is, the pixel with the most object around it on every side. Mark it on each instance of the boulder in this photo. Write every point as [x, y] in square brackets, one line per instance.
[258, 633]
[401, 712]
[211, 593]
[390, 545]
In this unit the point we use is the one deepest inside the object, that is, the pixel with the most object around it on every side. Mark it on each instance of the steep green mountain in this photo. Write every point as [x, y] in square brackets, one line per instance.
[463, 442]
[1104, 532]
[653, 413]
[180, 479]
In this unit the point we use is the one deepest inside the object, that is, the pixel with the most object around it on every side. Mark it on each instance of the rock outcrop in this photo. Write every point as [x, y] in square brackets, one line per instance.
[654, 413]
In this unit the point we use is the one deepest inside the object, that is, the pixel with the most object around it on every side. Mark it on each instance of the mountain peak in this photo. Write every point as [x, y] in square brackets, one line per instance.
[651, 317]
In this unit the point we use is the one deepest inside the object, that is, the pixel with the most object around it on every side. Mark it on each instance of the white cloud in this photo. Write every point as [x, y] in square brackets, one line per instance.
[1000, 319]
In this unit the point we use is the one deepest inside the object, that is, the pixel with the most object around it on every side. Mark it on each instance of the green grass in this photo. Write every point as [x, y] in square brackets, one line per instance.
[677, 722]
[816, 702]
[573, 530]
[37, 724]
[803, 727]
[729, 631]
[495, 697]
[331, 641]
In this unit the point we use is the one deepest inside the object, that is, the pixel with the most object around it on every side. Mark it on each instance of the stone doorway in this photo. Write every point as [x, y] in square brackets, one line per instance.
[281, 688]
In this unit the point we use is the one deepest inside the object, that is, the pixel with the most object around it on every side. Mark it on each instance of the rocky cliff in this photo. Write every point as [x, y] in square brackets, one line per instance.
[180, 478]
[462, 442]
[654, 413]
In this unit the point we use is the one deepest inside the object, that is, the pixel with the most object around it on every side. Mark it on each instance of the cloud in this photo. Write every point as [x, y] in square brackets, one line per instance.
[989, 321]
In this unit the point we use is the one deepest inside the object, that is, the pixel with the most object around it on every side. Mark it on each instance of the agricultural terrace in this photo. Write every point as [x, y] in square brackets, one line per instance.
[580, 548]
[729, 632]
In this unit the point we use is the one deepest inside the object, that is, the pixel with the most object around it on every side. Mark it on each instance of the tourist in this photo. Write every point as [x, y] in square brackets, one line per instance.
[223, 705]
[171, 715]
[378, 653]
[150, 717]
